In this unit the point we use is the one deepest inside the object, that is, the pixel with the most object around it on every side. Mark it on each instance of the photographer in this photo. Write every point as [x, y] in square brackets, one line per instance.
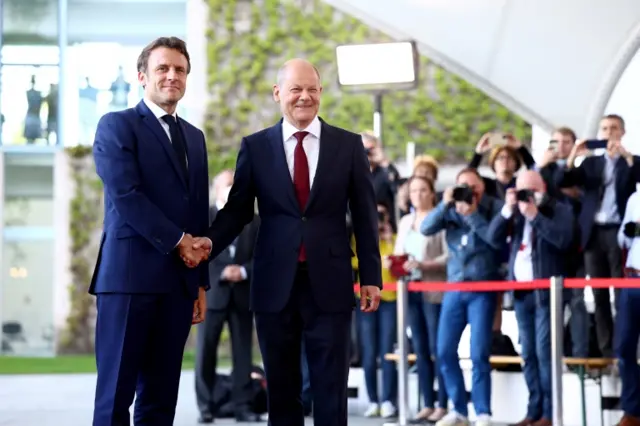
[627, 330]
[540, 231]
[465, 213]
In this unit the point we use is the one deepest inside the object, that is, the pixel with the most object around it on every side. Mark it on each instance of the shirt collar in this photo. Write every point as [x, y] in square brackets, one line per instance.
[289, 129]
[156, 110]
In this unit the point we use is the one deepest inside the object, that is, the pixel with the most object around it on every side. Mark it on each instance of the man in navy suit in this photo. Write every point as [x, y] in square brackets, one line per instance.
[304, 173]
[154, 169]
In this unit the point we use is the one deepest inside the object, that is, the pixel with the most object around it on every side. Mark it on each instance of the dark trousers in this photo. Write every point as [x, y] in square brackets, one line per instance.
[326, 339]
[603, 259]
[378, 335]
[626, 346]
[534, 329]
[208, 339]
[424, 318]
[140, 342]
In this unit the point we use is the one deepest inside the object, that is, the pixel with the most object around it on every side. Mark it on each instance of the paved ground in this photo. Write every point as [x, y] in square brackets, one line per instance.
[57, 400]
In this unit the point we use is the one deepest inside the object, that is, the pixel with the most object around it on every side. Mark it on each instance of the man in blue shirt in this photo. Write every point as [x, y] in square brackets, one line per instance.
[465, 213]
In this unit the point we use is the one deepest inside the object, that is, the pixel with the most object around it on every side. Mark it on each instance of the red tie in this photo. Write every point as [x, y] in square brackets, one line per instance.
[301, 180]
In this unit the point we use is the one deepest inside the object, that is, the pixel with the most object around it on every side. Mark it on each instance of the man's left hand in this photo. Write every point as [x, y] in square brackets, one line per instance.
[369, 298]
[528, 209]
[199, 307]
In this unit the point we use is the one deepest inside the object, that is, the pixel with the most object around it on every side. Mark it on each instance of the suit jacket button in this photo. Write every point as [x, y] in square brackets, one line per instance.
[304, 218]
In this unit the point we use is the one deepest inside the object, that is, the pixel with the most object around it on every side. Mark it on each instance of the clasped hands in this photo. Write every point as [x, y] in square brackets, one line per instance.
[194, 250]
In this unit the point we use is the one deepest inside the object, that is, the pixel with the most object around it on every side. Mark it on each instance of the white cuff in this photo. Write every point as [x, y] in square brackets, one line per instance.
[506, 212]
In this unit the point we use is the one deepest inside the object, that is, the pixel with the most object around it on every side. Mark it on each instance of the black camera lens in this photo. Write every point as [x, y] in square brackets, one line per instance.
[463, 193]
[524, 195]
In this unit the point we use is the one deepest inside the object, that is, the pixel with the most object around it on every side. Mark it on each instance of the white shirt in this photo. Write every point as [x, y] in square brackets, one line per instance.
[523, 263]
[311, 145]
[631, 214]
[159, 113]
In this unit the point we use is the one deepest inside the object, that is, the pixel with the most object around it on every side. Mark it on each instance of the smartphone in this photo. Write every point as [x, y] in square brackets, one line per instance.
[593, 144]
[397, 265]
[553, 145]
[497, 139]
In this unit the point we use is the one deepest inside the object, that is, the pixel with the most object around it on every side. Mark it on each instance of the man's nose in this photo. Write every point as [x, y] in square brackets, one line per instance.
[171, 74]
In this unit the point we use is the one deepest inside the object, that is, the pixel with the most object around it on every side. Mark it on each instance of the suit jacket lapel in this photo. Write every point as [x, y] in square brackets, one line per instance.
[327, 146]
[281, 168]
[151, 121]
[193, 152]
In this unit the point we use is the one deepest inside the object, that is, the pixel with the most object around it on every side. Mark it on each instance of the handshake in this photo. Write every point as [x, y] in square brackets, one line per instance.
[194, 250]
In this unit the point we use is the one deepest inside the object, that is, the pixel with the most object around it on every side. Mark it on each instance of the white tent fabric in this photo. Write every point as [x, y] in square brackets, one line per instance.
[555, 62]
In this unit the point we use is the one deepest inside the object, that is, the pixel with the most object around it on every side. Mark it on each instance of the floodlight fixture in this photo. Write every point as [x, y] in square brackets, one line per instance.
[378, 67]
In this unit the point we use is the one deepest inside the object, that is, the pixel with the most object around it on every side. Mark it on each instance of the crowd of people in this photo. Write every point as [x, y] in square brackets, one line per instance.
[573, 214]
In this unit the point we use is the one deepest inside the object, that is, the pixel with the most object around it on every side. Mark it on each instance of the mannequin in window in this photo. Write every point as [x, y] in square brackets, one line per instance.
[88, 112]
[52, 113]
[33, 123]
[120, 89]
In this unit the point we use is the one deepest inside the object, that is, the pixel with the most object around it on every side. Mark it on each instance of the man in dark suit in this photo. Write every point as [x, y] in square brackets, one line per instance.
[303, 173]
[607, 181]
[227, 301]
[154, 169]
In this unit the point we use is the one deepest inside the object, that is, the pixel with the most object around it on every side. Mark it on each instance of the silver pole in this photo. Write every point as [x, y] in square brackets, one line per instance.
[557, 349]
[402, 352]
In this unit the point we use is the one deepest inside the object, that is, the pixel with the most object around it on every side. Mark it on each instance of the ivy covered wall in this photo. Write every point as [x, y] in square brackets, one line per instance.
[249, 40]
[84, 229]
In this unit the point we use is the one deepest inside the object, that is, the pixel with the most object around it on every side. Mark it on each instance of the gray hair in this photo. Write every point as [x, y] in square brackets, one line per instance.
[282, 72]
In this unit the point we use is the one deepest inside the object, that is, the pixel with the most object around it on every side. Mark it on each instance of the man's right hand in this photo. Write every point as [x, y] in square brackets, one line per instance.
[192, 251]
[447, 195]
[511, 198]
[484, 144]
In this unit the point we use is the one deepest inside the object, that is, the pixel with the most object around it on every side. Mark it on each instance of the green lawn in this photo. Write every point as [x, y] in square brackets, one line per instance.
[68, 364]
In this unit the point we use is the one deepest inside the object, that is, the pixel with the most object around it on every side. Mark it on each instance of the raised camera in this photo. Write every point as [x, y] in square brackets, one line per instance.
[463, 193]
[524, 195]
[381, 217]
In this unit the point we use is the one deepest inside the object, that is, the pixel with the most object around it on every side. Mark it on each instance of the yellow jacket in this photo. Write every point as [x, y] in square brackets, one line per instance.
[386, 249]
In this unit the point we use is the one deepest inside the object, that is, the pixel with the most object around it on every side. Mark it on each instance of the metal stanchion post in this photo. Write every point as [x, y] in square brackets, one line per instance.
[557, 347]
[403, 362]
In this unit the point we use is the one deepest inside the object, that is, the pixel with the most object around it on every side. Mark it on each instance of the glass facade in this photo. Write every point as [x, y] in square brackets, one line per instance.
[30, 95]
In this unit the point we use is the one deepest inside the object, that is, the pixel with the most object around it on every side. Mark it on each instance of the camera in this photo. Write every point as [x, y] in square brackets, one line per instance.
[382, 217]
[525, 195]
[463, 193]
[631, 229]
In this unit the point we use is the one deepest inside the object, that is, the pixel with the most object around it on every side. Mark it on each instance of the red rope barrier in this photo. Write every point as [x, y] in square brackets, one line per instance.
[514, 285]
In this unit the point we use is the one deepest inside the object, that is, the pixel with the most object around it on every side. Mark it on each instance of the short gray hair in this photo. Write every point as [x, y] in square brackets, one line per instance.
[282, 72]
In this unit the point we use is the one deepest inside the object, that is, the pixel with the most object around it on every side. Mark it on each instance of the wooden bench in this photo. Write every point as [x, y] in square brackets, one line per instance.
[583, 365]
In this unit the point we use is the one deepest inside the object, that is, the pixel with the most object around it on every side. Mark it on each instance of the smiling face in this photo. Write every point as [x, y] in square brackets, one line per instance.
[298, 92]
[165, 78]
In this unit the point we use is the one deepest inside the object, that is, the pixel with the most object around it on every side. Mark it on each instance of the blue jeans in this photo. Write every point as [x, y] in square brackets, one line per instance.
[423, 320]
[307, 399]
[579, 321]
[377, 337]
[534, 329]
[626, 333]
[459, 309]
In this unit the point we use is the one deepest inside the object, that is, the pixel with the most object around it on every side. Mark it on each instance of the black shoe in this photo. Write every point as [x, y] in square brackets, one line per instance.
[248, 417]
[205, 418]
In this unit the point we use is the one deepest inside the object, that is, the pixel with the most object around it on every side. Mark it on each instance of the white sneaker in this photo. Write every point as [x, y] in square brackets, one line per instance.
[387, 410]
[373, 410]
[453, 419]
[483, 420]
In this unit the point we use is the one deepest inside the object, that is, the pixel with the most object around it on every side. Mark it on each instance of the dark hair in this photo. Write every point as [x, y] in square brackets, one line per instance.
[170, 43]
[566, 132]
[615, 117]
[468, 170]
[428, 181]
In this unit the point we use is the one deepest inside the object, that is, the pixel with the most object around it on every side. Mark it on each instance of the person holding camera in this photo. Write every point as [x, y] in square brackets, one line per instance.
[465, 214]
[540, 234]
[627, 330]
[607, 181]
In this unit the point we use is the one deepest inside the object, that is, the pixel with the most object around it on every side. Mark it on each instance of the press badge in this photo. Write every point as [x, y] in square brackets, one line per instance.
[464, 240]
